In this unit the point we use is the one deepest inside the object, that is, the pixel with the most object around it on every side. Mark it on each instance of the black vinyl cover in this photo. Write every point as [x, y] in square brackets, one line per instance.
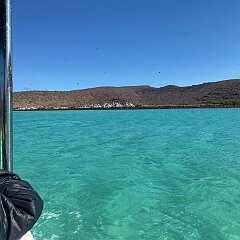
[20, 206]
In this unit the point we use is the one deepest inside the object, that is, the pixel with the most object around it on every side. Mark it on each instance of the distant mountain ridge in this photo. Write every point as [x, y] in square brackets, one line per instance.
[212, 94]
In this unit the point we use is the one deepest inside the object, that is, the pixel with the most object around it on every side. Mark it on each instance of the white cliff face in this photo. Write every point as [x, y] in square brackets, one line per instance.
[93, 106]
[112, 105]
[130, 104]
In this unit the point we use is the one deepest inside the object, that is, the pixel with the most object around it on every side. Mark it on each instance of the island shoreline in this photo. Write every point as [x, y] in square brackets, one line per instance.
[221, 94]
[132, 108]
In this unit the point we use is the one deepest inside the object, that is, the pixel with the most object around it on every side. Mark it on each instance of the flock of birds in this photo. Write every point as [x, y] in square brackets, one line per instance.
[96, 48]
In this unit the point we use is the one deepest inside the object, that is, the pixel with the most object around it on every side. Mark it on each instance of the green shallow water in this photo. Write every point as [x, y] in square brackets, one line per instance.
[133, 174]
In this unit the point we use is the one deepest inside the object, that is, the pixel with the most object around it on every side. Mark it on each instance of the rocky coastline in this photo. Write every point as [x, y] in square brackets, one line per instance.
[129, 108]
[221, 94]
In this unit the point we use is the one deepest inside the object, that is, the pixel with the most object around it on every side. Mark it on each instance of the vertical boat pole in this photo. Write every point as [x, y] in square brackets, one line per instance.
[6, 142]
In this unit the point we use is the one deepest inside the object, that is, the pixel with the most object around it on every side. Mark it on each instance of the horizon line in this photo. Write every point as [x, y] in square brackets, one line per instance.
[144, 85]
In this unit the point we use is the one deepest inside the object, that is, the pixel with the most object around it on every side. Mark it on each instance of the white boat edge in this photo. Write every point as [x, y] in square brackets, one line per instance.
[27, 236]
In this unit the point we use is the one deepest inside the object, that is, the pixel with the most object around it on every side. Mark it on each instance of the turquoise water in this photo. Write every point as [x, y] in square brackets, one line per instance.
[133, 174]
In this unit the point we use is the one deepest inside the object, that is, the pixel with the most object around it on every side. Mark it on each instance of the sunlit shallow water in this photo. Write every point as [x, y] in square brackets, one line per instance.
[133, 174]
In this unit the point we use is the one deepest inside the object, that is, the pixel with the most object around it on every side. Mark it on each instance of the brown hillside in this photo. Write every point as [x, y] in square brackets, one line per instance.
[138, 96]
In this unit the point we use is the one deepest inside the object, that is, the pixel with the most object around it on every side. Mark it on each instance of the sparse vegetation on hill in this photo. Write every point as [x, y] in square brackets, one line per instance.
[216, 94]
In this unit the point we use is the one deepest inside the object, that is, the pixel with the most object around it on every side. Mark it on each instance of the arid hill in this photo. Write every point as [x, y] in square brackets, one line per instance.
[214, 94]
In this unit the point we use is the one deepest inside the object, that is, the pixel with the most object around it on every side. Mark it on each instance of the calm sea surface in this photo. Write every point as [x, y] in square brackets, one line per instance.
[133, 174]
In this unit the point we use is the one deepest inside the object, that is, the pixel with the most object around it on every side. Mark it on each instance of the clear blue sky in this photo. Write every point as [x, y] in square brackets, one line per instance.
[63, 45]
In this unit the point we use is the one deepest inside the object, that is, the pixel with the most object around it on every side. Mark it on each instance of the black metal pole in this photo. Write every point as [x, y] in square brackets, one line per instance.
[6, 144]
